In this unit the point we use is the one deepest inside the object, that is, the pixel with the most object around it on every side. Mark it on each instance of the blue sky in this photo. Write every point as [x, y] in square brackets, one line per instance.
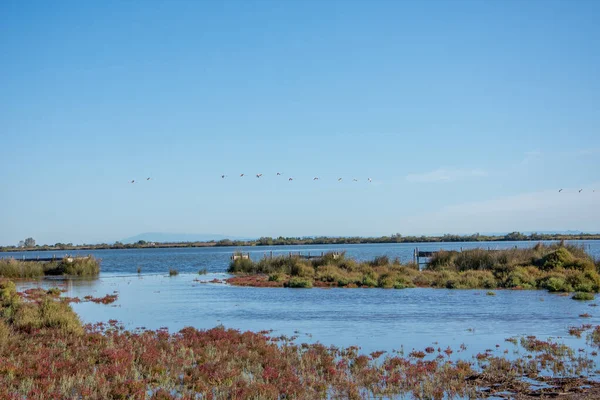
[467, 115]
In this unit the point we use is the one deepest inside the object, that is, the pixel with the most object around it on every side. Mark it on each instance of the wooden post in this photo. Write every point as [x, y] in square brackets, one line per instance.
[418, 260]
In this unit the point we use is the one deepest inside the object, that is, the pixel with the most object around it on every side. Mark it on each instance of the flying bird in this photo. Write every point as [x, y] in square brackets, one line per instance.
[370, 180]
[147, 179]
[223, 176]
[354, 180]
[258, 175]
[241, 175]
[580, 190]
[560, 190]
[133, 181]
[279, 173]
[339, 179]
[315, 178]
[291, 179]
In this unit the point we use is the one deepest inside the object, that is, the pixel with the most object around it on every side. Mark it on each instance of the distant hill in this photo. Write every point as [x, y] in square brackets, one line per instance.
[163, 237]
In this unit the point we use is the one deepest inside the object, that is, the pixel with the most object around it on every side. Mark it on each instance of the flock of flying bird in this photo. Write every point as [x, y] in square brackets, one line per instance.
[316, 178]
[133, 180]
[579, 191]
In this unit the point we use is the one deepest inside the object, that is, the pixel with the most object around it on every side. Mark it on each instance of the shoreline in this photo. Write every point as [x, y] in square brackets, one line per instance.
[293, 241]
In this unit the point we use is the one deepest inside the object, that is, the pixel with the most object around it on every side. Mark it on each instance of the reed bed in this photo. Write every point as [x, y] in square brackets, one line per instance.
[76, 266]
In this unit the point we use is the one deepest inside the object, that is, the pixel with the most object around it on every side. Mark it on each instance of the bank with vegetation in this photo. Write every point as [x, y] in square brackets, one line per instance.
[45, 352]
[83, 267]
[558, 268]
[298, 241]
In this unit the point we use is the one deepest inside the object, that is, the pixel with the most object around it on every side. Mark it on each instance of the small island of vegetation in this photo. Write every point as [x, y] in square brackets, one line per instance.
[83, 267]
[558, 268]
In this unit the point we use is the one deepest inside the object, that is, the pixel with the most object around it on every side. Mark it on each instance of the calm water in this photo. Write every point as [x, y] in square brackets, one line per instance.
[216, 259]
[375, 319]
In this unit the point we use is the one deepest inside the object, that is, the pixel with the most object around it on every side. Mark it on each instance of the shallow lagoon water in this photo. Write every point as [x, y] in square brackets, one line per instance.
[216, 259]
[374, 319]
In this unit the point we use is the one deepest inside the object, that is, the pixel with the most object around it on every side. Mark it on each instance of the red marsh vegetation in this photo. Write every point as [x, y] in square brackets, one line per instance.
[45, 352]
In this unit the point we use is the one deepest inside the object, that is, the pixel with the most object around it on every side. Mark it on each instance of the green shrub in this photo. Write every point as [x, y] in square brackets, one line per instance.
[302, 270]
[173, 272]
[203, 271]
[369, 280]
[477, 259]
[555, 284]
[297, 282]
[581, 265]
[476, 279]
[583, 296]
[276, 277]
[8, 291]
[442, 260]
[241, 265]
[328, 273]
[556, 259]
[424, 279]
[523, 277]
[47, 314]
[400, 285]
[347, 264]
[387, 281]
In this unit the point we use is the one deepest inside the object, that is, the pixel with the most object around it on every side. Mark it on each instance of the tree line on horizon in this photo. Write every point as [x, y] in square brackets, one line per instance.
[30, 244]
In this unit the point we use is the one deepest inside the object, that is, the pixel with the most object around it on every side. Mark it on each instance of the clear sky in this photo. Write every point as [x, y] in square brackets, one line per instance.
[469, 116]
